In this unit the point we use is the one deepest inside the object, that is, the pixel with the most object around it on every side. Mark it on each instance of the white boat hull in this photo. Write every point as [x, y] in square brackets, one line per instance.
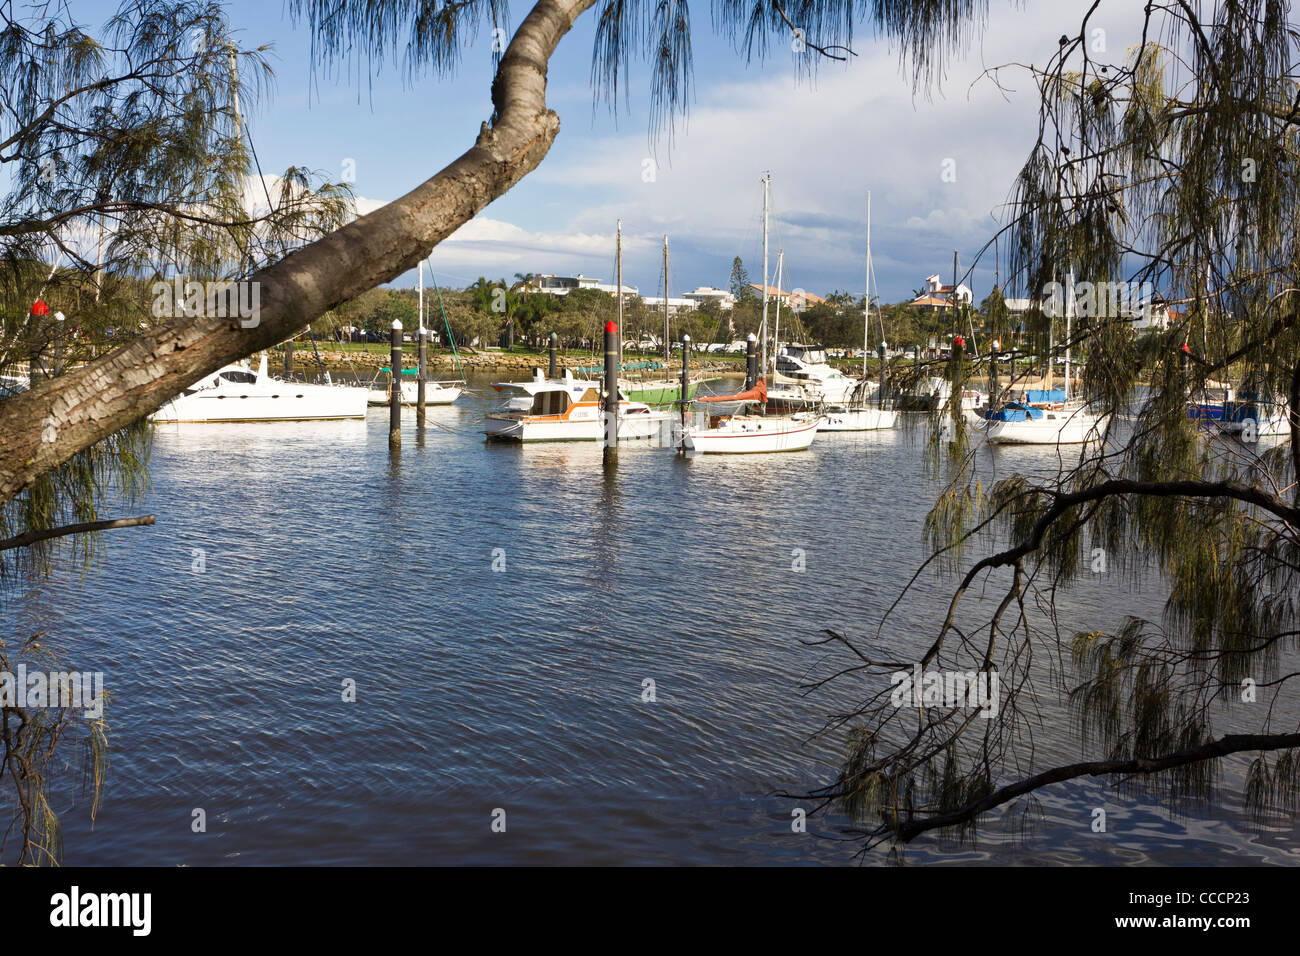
[1054, 428]
[435, 393]
[274, 401]
[752, 435]
[635, 427]
[1273, 424]
[858, 419]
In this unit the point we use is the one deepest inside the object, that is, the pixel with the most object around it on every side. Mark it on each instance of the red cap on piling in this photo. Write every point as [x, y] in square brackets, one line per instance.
[611, 326]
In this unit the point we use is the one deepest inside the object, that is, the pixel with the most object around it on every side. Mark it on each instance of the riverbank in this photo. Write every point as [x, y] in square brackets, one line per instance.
[362, 360]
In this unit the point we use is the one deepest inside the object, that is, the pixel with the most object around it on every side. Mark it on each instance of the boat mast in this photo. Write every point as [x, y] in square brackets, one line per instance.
[767, 181]
[866, 298]
[1069, 307]
[776, 331]
[618, 280]
[666, 332]
[420, 272]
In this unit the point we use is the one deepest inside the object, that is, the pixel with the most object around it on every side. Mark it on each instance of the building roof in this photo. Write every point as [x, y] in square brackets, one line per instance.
[801, 294]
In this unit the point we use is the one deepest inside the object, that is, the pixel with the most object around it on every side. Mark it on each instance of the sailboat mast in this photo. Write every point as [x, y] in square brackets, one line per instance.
[618, 280]
[766, 184]
[866, 298]
[666, 332]
[776, 332]
[1069, 308]
[420, 272]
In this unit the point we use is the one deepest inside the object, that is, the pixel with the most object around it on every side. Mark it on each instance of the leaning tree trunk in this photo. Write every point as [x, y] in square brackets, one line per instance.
[46, 426]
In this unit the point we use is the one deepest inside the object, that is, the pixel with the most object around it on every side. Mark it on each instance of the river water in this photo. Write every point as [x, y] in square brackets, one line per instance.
[291, 558]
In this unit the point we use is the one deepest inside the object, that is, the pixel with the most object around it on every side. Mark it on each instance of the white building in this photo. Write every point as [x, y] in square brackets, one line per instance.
[938, 296]
[563, 285]
[707, 293]
[655, 303]
[796, 300]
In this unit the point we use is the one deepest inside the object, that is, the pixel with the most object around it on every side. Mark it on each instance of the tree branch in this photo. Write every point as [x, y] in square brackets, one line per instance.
[43, 427]
[1233, 743]
[31, 537]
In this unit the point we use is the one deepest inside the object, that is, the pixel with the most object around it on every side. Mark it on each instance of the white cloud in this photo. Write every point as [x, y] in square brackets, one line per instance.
[856, 129]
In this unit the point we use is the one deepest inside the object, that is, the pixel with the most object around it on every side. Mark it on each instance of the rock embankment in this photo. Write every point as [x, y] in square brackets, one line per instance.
[359, 361]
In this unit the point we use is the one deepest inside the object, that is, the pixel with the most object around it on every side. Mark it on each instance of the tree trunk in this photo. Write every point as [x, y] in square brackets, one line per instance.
[46, 426]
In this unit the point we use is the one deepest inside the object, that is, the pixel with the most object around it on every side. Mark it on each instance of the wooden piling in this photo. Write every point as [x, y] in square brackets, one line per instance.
[686, 375]
[610, 405]
[421, 373]
[395, 389]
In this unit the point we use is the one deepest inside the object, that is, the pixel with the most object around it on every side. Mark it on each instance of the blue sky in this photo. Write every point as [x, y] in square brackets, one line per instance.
[857, 127]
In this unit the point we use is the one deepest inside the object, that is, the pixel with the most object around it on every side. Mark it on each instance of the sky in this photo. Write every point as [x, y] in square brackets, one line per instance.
[939, 166]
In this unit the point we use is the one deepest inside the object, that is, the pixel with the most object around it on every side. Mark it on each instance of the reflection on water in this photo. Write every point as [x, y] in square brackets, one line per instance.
[521, 687]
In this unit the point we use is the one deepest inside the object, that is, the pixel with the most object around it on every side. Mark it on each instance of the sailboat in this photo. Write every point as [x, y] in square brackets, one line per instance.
[653, 386]
[435, 393]
[857, 414]
[1046, 417]
[744, 433]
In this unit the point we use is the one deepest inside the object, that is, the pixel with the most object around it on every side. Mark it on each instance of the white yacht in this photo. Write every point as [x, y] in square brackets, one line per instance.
[804, 378]
[435, 393]
[237, 393]
[568, 409]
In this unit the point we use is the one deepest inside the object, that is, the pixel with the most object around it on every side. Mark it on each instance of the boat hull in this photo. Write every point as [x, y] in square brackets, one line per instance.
[858, 420]
[289, 401]
[1052, 429]
[526, 429]
[658, 393]
[434, 394]
[742, 436]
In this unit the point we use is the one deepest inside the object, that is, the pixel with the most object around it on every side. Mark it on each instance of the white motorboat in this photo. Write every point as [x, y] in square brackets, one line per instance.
[1249, 418]
[856, 418]
[236, 393]
[435, 393]
[804, 378]
[569, 409]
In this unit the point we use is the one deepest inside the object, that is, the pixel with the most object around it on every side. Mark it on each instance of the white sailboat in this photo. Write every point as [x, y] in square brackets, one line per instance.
[752, 434]
[858, 415]
[236, 393]
[1068, 422]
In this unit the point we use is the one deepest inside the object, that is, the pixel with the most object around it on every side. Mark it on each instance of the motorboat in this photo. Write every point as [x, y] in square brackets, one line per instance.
[804, 378]
[435, 393]
[568, 409]
[238, 393]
